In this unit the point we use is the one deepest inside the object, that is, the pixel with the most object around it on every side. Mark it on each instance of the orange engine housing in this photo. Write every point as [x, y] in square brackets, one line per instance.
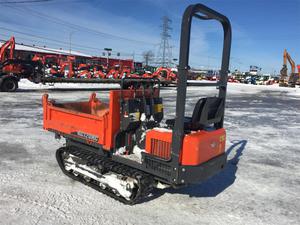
[198, 147]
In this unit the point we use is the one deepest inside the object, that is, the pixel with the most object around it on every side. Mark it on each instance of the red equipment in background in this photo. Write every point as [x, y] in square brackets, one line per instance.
[163, 74]
[56, 65]
[68, 65]
[115, 72]
[12, 69]
[166, 74]
[84, 71]
[10, 44]
[51, 62]
[98, 71]
[7, 52]
[45, 59]
[232, 79]
[9, 64]
[126, 72]
[46, 66]
[121, 72]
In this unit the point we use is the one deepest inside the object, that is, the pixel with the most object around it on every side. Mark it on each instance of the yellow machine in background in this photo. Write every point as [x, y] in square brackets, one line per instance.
[285, 79]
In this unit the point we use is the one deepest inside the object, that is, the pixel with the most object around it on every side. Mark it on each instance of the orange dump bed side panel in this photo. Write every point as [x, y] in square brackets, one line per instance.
[87, 120]
[198, 147]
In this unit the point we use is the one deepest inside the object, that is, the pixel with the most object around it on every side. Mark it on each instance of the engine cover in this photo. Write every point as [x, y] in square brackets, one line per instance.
[198, 147]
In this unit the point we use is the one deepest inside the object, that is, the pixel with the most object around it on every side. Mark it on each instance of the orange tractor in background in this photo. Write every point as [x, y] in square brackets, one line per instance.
[67, 67]
[12, 69]
[120, 72]
[56, 65]
[84, 71]
[163, 74]
[98, 71]
[7, 50]
[123, 149]
[114, 73]
[47, 59]
[7, 57]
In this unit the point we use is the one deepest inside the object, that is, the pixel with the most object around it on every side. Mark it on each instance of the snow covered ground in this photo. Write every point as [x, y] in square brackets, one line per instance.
[260, 184]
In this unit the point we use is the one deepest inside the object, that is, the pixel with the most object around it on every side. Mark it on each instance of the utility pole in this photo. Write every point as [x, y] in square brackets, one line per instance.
[148, 57]
[70, 39]
[108, 51]
[175, 62]
[164, 56]
[119, 54]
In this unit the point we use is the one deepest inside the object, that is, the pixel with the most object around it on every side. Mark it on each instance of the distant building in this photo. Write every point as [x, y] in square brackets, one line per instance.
[255, 71]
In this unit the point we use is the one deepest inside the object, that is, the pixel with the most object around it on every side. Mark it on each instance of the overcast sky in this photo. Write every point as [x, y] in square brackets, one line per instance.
[261, 28]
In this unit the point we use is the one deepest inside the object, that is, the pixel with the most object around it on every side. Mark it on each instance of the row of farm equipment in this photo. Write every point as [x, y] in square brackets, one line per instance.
[245, 78]
[285, 79]
[66, 67]
[254, 79]
[55, 68]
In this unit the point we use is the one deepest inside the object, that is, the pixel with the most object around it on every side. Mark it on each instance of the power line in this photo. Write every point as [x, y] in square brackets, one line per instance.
[49, 39]
[40, 48]
[75, 26]
[33, 1]
[24, 2]
[45, 44]
[55, 51]
[62, 43]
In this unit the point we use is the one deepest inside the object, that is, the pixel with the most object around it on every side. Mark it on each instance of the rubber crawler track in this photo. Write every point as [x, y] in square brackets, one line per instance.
[145, 181]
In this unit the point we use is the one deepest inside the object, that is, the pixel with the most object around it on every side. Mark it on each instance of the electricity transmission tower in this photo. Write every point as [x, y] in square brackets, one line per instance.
[164, 55]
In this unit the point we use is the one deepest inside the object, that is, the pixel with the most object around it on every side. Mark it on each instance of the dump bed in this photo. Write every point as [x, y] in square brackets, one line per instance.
[90, 120]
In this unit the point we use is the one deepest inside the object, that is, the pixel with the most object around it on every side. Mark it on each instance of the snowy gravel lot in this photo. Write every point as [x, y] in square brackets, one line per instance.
[260, 184]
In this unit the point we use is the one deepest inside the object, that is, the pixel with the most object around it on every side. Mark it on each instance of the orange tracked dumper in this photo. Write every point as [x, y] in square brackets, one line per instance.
[123, 149]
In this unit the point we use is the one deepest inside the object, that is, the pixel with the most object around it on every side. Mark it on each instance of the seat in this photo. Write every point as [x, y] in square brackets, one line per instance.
[207, 113]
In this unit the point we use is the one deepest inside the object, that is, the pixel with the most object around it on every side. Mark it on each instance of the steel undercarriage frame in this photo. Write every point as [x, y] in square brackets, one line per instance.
[162, 170]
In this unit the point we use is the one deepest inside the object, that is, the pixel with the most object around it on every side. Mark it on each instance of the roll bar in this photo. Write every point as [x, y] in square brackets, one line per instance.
[202, 12]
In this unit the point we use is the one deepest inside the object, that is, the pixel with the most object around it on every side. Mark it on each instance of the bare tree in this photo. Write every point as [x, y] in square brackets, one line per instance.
[148, 57]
